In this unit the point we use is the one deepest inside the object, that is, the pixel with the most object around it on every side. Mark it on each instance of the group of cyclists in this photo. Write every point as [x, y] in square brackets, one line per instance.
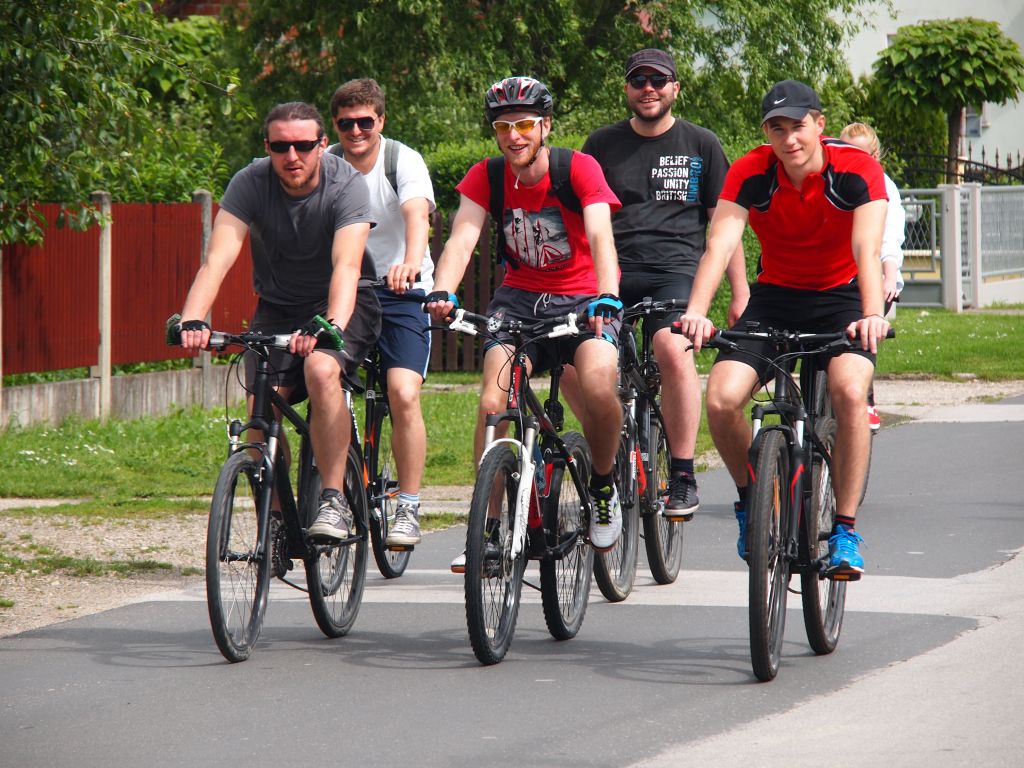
[649, 208]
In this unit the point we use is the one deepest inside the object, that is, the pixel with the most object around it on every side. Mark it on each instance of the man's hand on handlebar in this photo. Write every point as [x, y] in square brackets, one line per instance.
[401, 277]
[193, 335]
[696, 328]
[870, 330]
[317, 332]
[440, 304]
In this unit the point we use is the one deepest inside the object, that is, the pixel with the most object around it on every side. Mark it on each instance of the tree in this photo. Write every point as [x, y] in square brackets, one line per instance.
[950, 64]
[84, 108]
[435, 58]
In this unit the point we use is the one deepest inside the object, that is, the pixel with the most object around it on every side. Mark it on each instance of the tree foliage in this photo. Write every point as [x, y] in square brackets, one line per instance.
[435, 58]
[949, 64]
[102, 95]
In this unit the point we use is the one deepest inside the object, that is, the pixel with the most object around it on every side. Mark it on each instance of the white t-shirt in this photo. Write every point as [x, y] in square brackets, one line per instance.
[386, 242]
[895, 225]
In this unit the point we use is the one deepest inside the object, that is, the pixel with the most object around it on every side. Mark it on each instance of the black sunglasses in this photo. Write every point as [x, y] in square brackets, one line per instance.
[657, 81]
[280, 147]
[346, 124]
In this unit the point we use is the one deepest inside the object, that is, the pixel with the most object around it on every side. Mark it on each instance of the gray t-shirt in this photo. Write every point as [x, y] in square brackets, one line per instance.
[291, 237]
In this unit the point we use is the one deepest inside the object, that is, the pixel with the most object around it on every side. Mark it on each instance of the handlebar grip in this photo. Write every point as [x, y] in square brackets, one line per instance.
[172, 331]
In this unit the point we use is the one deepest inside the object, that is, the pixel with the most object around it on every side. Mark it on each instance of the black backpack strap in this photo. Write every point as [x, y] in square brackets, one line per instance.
[559, 166]
[496, 180]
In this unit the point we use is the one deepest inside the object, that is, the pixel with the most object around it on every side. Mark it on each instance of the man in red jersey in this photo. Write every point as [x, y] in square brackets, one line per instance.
[818, 208]
[560, 258]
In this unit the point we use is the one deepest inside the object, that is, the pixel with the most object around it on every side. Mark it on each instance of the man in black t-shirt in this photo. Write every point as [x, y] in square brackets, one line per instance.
[307, 215]
[667, 173]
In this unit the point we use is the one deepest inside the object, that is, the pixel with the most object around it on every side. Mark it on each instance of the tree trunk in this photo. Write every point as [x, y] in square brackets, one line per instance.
[953, 121]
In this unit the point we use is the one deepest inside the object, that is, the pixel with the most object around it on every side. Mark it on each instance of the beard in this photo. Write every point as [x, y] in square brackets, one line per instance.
[663, 109]
[298, 182]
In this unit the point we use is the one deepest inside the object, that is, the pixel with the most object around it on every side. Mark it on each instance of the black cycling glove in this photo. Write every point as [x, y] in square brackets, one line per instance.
[440, 296]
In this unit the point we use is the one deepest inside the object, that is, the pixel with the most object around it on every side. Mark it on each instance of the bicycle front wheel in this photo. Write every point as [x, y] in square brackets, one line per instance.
[237, 565]
[493, 579]
[615, 570]
[663, 538]
[390, 563]
[565, 575]
[336, 573]
[767, 512]
[824, 600]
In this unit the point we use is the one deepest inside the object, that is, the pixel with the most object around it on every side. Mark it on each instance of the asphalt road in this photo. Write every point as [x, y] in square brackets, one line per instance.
[926, 672]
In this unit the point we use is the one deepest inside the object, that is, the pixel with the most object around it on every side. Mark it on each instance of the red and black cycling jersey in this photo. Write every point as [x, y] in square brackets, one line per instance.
[805, 233]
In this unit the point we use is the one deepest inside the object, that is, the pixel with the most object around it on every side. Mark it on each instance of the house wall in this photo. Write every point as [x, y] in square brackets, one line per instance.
[1006, 123]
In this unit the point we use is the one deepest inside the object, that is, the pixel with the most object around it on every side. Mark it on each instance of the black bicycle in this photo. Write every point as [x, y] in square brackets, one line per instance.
[246, 543]
[642, 464]
[791, 505]
[530, 501]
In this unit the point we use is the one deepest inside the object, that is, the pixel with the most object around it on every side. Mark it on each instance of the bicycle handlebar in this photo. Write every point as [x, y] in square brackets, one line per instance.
[471, 323]
[648, 306]
[806, 343]
[249, 339]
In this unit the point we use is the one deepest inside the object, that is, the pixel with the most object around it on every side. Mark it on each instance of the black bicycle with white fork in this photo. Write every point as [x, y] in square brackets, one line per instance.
[246, 544]
[642, 463]
[530, 501]
[791, 506]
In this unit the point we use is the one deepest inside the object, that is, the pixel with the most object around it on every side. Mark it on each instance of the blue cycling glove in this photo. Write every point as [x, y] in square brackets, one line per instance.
[607, 306]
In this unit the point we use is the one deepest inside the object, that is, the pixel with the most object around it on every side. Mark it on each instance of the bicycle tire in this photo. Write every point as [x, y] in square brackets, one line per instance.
[824, 600]
[390, 563]
[565, 581]
[615, 570]
[237, 565]
[493, 584]
[767, 502]
[336, 573]
[663, 538]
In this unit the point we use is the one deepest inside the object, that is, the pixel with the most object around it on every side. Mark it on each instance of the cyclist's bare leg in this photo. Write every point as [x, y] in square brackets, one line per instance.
[331, 427]
[409, 435]
[680, 392]
[849, 377]
[596, 361]
[493, 394]
[730, 385]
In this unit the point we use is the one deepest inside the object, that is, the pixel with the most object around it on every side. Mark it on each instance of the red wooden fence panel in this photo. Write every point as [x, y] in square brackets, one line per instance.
[51, 300]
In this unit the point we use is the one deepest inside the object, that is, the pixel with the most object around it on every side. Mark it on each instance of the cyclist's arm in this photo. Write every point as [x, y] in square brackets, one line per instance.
[226, 240]
[416, 214]
[597, 223]
[465, 234]
[725, 237]
[866, 241]
[736, 273]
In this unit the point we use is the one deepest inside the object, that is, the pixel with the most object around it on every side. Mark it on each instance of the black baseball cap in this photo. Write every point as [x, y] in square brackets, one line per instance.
[789, 98]
[655, 58]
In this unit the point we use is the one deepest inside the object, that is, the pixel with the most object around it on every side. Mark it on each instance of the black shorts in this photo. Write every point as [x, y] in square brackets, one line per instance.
[637, 286]
[361, 334]
[530, 307]
[773, 306]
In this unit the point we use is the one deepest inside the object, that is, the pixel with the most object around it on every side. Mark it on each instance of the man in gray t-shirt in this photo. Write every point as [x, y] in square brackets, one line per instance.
[308, 217]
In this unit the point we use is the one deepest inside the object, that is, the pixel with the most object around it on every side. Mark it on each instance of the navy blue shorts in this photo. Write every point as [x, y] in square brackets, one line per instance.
[791, 309]
[404, 333]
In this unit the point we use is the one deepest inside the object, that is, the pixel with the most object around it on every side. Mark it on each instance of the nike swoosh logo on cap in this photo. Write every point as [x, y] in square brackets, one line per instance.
[779, 101]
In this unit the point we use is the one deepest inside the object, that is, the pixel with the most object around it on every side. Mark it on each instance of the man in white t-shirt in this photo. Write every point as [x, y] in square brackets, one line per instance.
[401, 201]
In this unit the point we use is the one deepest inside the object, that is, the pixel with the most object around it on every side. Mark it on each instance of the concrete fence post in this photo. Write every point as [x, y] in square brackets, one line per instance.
[102, 369]
[952, 280]
[973, 255]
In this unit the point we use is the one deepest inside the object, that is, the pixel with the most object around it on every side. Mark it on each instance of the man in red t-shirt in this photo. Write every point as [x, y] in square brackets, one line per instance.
[558, 260]
[818, 208]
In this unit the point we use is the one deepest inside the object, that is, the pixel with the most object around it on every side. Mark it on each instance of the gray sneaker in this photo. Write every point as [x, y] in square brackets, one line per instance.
[333, 520]
[405, 531]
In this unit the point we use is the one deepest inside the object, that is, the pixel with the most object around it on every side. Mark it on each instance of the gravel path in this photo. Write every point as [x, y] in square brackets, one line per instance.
[40, 599]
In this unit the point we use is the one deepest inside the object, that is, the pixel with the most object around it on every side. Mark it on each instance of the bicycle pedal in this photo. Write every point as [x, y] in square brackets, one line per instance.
[843, 576]
[400, 547]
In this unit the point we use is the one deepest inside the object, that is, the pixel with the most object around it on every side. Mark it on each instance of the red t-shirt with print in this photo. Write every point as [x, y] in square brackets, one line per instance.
[546, 244]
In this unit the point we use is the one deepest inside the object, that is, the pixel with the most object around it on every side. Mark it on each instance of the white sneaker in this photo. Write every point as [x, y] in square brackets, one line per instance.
[459, 563]
[405, 532]
[606, 523]
[333, 520]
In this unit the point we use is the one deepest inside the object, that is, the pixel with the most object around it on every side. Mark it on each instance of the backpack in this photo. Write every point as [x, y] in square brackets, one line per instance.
[391, 150]
[559, 165]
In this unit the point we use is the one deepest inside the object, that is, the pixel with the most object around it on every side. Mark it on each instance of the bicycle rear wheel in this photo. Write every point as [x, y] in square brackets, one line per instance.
[615, 570]
[565, 579]
[336, 573]
[390, 563]
[663, 539]
[237, 565]
[767, 511]
[824, 600]
[493, 579]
